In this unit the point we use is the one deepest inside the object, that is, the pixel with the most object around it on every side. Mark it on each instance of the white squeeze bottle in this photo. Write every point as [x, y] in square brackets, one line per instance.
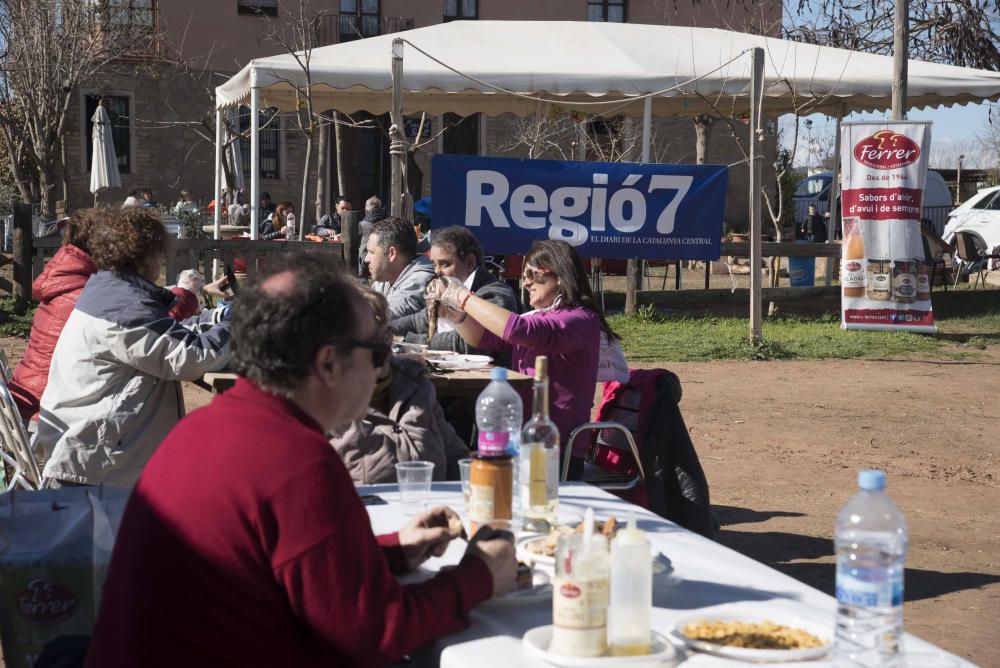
[631, 592]
[871, 543]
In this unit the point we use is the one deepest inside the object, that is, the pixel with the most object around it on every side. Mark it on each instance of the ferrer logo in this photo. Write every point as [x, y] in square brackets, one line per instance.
[44, 603]
[886, 150]
[853, 266]
[569, 591]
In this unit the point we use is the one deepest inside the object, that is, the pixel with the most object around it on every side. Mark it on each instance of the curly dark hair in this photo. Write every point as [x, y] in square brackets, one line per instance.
[128, 240]
[562, 259]
[80, 226]
[277, 332]
[464, 241]
[396, 232]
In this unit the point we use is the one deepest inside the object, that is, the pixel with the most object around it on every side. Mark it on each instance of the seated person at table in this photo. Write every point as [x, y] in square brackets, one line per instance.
[404, 421]
[331, 224]
[455, 251]
[56, 290]
[274, 226]
[396, 270]
[245, 542]
[114, 387]
[566, 325]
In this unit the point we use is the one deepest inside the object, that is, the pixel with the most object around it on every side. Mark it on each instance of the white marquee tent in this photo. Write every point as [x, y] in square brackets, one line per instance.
[494, 67]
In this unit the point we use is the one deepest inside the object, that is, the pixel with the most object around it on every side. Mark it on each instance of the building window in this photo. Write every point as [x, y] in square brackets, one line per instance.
[358, 19]
[611, 11]
[461, 135]
[455, 10]
[265, 7]
[121, 130]
[132, 12]
[270, 143]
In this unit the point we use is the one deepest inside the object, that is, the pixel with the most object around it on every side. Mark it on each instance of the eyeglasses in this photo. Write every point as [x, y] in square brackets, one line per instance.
[380, 350]
[535, 275]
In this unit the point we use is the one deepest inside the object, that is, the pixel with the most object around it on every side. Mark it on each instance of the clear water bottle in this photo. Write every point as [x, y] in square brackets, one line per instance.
[871, 542]
[290, 222]
[499, 413]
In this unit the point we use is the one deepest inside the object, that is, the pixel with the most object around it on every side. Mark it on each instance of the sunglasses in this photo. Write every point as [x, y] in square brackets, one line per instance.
[535, 275]
[380, 350]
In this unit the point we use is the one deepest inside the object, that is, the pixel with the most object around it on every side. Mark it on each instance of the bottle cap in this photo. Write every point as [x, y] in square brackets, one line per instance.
[498, 373]
[871, 481]
[630, 535]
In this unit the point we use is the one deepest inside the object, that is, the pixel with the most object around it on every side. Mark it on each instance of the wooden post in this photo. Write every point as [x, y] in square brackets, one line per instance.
[756, 98]
[900, 55]
[23, 251]
[396, 118]
[634, 267]
[351, 234]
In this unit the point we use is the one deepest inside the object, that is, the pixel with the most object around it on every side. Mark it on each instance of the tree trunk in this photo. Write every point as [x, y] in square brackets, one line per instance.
[338, 136]
[47, 194]
[305, 186]
[321, 161]
[703, 134]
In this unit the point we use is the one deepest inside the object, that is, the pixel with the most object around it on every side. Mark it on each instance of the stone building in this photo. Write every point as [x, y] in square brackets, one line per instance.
[161, 104]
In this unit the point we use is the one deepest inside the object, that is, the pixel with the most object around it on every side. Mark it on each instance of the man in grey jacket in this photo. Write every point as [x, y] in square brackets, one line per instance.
[397, 272]
[455, 251]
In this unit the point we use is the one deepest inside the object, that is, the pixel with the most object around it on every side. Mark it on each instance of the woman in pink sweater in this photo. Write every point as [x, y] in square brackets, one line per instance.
[565, 325]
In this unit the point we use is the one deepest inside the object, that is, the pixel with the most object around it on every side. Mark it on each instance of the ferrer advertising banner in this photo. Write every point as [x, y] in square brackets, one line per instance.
[884, 278]
[606, 210]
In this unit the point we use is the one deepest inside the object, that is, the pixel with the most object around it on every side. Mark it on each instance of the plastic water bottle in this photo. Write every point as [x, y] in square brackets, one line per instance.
[290, 222]
[871, 542]
[499, 413]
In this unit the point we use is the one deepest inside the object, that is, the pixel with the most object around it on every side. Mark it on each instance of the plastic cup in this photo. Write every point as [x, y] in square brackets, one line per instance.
[414, 484]
[464, 469]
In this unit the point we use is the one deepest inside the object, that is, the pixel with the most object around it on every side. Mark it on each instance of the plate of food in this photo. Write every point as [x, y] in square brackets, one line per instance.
[757, 637]
[457, 361]
[537, 640]
[540, 550]
[409, 351]
[531, 587]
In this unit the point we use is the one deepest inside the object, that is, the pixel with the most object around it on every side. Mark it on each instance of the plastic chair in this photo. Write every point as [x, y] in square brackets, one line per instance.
[971, 253]
[599, 477]
[15, 446]
[5, 369]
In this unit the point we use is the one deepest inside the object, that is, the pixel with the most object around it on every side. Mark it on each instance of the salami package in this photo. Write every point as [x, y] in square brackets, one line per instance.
[55, 546]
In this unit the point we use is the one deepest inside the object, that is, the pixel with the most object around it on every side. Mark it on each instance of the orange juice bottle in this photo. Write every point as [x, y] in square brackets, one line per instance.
[852, 273]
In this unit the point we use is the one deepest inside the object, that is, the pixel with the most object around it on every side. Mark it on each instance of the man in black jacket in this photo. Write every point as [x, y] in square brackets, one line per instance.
[373, 213]
[456, 252]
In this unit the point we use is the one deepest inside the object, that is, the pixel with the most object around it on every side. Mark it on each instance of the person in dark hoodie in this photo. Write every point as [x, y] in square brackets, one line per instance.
[373, 213]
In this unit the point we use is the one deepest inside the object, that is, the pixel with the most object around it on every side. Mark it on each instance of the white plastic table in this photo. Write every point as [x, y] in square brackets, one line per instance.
[705, 574]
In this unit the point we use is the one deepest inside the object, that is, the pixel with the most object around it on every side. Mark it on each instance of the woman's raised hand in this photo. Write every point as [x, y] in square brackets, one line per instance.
[448, 290]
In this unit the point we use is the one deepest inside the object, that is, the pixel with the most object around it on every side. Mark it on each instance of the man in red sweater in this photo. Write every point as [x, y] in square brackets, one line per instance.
[245, 543]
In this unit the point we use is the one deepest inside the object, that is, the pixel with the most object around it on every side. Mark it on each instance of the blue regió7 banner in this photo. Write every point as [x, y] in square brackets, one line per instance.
[604, 209]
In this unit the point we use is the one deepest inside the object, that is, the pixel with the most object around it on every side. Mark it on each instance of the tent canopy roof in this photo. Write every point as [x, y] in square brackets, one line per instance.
[583, 62]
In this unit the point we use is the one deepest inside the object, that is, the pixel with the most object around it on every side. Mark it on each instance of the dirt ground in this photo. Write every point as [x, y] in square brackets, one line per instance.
[781, 443]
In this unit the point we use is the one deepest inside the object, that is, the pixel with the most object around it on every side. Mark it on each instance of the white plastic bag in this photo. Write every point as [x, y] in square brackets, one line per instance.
[611, 365]
[55, 546]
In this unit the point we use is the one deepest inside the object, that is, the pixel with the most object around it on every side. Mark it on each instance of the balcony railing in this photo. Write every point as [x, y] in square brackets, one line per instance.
[337, 28]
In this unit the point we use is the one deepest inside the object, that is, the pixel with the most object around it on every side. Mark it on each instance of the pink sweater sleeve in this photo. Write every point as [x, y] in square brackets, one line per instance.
[343, 579]
[558, 331]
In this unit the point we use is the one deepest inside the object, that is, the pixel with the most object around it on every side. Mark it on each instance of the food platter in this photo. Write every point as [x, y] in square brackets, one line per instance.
[823, 632]
[456, 362]
[536, 644]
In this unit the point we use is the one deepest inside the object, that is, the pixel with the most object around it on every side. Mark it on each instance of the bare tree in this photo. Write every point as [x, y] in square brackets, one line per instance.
[50, 48]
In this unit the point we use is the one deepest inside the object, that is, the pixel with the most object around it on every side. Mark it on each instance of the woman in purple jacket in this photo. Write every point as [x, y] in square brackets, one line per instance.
[565, 325]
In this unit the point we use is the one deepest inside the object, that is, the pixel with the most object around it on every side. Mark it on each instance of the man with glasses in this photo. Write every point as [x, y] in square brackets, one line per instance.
[245, 543]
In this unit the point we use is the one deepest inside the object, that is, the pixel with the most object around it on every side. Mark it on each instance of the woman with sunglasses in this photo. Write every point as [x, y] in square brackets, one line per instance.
[566, 325]
[404, 420]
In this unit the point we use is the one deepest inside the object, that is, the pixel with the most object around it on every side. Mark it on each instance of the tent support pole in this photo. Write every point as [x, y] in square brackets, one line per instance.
[834, 194]
[217, 193]
[634, 266]
[756, 99]
[254, 162]
[396, 118]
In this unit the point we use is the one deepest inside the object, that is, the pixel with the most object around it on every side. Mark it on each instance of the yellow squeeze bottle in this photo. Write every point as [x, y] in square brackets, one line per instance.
[631, 596]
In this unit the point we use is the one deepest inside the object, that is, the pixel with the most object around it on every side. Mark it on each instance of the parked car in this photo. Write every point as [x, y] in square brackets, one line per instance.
[980, 216]
[815, 189]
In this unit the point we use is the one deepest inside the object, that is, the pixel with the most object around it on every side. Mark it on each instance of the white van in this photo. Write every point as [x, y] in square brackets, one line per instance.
[815, 189]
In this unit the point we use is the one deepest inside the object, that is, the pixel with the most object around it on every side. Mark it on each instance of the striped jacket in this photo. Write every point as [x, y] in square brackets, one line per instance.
[114, 392]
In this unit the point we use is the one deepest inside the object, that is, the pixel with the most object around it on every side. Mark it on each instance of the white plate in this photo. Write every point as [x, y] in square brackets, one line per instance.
[821, 631]
[536, 643]
[540, 592]
[464, 361]
[661, 563]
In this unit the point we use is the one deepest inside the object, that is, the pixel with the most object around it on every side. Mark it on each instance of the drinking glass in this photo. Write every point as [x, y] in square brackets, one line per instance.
[464, 468]
[414, 484]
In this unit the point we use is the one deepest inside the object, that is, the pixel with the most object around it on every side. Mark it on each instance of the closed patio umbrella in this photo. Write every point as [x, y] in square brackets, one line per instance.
[103, 161]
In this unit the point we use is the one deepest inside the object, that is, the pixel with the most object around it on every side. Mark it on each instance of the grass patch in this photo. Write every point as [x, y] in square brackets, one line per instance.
[653, 336]
[16, 316]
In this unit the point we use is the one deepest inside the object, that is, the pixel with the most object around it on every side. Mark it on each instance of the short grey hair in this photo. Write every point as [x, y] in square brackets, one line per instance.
[373, 202]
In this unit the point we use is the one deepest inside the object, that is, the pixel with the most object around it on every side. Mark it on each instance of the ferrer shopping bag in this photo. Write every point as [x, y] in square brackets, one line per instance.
[55, 546]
